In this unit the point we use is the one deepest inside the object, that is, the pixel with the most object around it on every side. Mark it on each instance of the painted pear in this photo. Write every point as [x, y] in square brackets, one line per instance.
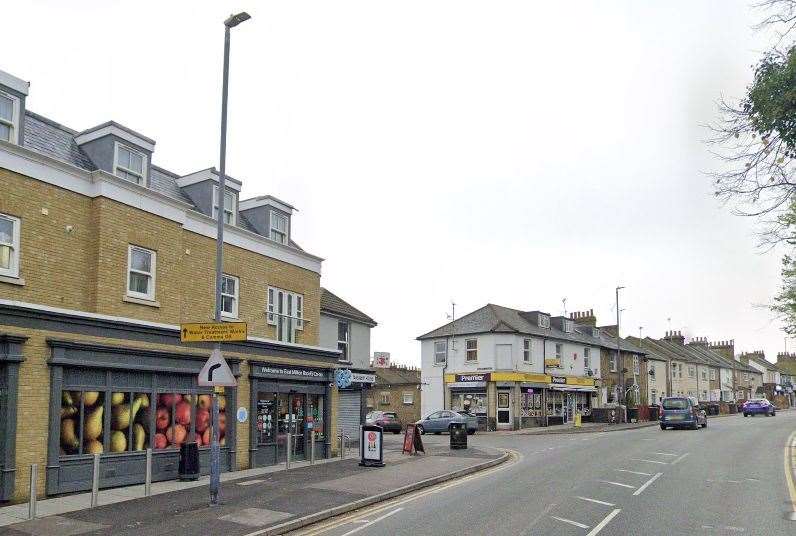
[93, 447]
[69, 438]
[68, 411]
[118, 442]
[90, 398]
[117, 398]
[139, 437]
[123, 414]
[93, 425]
[66, 399]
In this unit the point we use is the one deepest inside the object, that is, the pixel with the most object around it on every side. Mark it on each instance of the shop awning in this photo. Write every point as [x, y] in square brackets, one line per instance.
[578, 388]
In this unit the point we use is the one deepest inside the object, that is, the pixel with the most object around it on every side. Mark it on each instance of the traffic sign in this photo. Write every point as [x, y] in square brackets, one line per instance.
[216, 372]
[213, 332]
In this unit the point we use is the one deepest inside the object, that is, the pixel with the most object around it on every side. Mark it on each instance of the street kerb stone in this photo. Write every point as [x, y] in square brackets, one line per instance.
[256, 517]
[57, 526]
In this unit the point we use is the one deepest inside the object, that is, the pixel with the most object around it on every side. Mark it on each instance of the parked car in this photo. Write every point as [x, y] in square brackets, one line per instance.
[388, 420]
[755, 406]
[440, 421]
[682, 412]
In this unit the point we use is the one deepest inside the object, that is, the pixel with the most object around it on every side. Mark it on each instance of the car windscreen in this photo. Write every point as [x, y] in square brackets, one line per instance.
[390, 415]
[675, 403]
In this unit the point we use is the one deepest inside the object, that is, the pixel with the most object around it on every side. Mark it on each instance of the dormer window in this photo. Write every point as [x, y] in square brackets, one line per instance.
[595, 332]
[130, 164]
[229, 206]
[278, 228]
[544, 321]
[568, 326]
[9, 117]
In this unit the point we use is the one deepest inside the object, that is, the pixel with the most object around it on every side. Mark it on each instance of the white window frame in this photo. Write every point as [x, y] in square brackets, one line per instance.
[704, 374]
[13, 268]
[544, 321]
[384, 398]
[654, 370]
[346, 344]
[271, 229]
[636, 366]
[117, 167]
[232, 213]
[467, 350]
[612, 362]
[235, 297]
[568, 326]
[587, 358]
[712, 375]
[150, 294]
[440, 352]
[559, 351]
[13, 136]
[408, 395]
[527, 350]
[595, 333]
[691, 371]
[746, 376]
[295, 317]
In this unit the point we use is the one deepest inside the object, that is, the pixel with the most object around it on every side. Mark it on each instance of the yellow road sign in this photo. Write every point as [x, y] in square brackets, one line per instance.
[213, 332]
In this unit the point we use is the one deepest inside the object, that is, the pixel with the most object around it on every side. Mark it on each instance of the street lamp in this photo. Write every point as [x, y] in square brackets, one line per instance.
[619, 354]
[215, 448]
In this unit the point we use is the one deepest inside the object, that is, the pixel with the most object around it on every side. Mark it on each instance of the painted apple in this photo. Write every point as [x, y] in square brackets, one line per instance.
[206, 436]
[167, 399]
[202, 420]
[160, 441]
[182, 413]
[222, 423]
[176, 434]
[204, 401]
[162, 419]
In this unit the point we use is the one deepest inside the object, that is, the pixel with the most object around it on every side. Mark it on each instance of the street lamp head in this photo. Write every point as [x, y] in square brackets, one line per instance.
[234, 20]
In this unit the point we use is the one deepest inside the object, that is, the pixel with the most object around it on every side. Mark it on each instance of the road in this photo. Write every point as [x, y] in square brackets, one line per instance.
[726, 479]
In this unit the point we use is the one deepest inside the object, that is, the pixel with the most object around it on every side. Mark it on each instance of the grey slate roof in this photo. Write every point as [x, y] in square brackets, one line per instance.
[331, 303]
[493, 318]
[397, 376]
[54, 140]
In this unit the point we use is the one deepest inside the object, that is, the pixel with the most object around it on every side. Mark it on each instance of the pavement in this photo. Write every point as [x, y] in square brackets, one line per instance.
[266, 501]
[727, 479]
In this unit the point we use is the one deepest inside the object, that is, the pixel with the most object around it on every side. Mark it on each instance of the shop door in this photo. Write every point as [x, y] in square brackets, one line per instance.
[504, 409]
[291, 421]
[569, 414]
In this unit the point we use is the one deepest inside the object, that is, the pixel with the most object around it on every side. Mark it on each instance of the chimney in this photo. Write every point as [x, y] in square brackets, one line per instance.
[699, 341]
[725, 348]
[675, 337]
[584, 318]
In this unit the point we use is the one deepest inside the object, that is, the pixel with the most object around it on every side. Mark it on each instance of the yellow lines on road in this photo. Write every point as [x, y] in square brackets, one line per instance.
[361, 515]
[790, 471]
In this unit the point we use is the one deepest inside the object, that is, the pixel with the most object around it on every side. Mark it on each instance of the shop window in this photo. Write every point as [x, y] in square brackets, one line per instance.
[440, 352]
[474, 403]
[203, 416]
[531, 405]
[82, 422]
[384, 398]
[316, 414]
[409, 399]
[266, 418]
[129, 422]
[471, 348]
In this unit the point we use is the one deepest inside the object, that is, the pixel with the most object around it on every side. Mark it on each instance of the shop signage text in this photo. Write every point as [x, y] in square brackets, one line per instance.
[455, 385]
[552, 363]
[345, 377]
[281, 371]
[484, 377]
[213, 332]
[558, 379]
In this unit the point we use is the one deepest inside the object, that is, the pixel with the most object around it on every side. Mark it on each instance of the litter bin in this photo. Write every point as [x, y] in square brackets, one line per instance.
[189, 461]
[653, 413]
[458, 434]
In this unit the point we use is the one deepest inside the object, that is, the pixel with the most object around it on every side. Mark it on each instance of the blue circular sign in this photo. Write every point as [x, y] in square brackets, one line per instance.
[343, 378]
[243, 414]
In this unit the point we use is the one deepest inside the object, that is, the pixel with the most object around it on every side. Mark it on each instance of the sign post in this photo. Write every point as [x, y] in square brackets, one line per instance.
[412, 441]
[371, 446]
[213, 331]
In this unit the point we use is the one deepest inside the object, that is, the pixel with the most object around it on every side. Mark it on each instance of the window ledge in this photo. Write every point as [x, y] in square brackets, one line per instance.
[141, 301]
[12, 280]
[229, 318]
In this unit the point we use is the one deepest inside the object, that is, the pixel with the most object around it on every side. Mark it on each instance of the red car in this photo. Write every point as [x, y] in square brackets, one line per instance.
[388, 420]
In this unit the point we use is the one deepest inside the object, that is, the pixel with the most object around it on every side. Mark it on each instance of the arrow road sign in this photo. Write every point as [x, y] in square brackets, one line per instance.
[216, 372]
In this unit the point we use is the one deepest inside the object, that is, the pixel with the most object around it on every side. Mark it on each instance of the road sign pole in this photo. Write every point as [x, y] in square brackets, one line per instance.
[215, 456]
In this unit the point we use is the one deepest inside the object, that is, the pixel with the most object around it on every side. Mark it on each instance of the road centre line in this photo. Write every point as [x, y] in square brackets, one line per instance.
[633, 472]
[647, 483]
[564, 520]
[361, 527]
[789, 472]
[594, 500]
[617, 484]
[601, 525]
[678, 460]
[665, 453]
[649, 461]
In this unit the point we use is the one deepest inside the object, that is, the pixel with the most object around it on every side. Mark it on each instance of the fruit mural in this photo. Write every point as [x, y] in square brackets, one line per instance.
[83, 420]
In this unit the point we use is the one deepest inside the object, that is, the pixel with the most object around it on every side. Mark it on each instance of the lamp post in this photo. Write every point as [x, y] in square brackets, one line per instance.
[619, 355]
[215, 447]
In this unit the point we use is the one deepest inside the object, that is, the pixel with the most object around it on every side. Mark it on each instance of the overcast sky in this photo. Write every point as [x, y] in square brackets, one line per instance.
[508, 152]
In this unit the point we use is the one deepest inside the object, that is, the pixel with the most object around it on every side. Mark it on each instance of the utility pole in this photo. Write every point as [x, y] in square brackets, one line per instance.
[215, 447]
[448, 349]
[619, 357]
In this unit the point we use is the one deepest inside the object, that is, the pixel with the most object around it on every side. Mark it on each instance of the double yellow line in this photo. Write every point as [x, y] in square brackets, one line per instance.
[790, 469]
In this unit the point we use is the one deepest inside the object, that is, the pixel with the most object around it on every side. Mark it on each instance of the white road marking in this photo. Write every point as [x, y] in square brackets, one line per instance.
[649, 461]
[665, 453]
[649, 439]
[633, 472]
[647, 483]
[678, 460]
[361, 521]
[601, 525]
[564, 520]
[617, 484]
[251, 482]
[734, 529]
[388, 514]
[594, 501]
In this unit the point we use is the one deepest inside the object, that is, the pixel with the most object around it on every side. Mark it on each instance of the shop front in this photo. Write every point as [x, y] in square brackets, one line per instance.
[468, 394]
[119, 402]
[352, 388]
[10, 358]
[287, 404]
[568, 396]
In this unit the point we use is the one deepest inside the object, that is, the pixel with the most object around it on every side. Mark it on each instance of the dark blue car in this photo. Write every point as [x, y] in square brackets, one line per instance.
[758, 406]
[682, 412]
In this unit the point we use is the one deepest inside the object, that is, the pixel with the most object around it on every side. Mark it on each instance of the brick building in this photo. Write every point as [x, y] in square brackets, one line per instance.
[397, 389]
[102, 255]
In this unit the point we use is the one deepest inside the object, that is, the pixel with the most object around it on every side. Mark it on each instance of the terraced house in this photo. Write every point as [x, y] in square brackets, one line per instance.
[102, 255]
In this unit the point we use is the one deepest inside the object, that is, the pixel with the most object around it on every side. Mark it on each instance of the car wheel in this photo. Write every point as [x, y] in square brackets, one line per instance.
[420, 429]
[706, 424]
[396, 432]
[663, 427]
[470, 432]
[695, 426]
[437, 433]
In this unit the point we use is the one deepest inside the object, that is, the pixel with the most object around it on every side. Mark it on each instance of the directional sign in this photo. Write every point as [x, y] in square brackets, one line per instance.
[216, 372]
[213, 332]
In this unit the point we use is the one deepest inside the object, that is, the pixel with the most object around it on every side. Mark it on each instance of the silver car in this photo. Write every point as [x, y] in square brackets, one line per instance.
[440, 421]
